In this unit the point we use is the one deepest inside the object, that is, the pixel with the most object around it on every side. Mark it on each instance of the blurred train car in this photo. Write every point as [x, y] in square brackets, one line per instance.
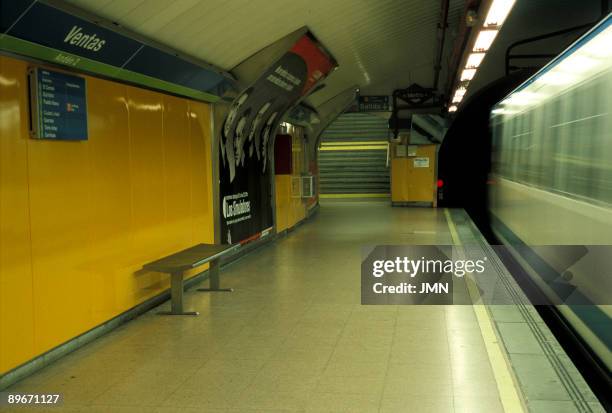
[552, 183]
[465, 154]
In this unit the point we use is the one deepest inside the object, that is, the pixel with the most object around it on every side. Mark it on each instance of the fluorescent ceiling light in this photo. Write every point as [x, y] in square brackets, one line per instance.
[484, 40]
[460, 91]
[468, 74]
[474, 60]
[458, 96]
[452, 108]
[498, 12]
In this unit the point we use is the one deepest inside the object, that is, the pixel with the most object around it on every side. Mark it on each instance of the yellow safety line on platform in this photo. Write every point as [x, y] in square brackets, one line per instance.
[506, 384]
[354, 148]
[354, 195]
[354, 143]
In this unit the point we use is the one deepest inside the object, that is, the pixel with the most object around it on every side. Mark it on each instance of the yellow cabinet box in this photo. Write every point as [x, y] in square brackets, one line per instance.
[413, 174]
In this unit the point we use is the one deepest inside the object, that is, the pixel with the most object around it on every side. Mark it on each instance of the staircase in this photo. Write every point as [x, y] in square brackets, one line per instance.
[352, 157]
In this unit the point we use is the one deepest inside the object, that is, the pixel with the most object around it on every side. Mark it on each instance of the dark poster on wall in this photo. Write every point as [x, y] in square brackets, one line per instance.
[248, 131]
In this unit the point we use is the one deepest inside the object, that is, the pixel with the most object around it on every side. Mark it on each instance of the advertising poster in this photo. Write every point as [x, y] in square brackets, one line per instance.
[248, 132]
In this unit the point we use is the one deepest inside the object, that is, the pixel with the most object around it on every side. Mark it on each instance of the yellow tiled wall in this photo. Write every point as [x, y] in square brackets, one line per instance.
[283, 197]
[291, 210]
[79, 219]
[297, 211]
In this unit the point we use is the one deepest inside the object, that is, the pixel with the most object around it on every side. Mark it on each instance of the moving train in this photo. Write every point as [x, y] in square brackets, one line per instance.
[529, 157]
[551, 184]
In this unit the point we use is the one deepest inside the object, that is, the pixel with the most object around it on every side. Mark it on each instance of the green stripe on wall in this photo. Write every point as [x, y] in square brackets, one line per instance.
[29, 49]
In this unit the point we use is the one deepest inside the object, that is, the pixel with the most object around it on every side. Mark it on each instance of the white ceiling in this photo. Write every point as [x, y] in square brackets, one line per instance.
[380, 45]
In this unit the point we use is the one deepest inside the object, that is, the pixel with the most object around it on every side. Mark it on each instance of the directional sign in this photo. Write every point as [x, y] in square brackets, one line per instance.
[59, 104]
[373, 103]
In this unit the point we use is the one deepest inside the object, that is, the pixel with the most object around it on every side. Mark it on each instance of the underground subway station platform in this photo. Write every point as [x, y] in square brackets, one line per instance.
[305, 206]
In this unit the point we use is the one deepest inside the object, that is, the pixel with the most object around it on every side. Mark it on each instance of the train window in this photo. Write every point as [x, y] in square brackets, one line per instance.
[561, 106]
[522, 138]
[510, 132]
[496, 130]
[548, 143]
[599, 150]
[578, 139]
[504, 147]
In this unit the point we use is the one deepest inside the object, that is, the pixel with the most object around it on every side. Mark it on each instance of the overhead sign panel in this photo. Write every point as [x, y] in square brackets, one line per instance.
[373, 103]
[38, 30]
[53, 28]
[165, 66]
[59, 105]
[10, 12]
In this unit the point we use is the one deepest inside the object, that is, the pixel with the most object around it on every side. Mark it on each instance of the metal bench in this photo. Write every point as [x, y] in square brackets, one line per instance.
[176, 265]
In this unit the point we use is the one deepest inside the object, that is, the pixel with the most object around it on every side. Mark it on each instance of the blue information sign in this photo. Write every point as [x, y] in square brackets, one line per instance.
[61, 106]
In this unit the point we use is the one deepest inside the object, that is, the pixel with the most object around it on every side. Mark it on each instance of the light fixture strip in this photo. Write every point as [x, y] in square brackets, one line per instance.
[496, 15]
[498, 12]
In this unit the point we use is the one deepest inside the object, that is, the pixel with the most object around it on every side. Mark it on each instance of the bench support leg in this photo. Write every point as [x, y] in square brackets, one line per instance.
[176, 296]
[213, 276]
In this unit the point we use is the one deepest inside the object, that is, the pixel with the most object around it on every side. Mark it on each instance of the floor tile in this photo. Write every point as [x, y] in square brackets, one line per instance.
[537, 378]
[293, 336]
[420, 404]
[337, 403]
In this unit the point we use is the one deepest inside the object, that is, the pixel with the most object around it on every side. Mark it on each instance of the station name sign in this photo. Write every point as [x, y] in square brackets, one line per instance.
[49, 33]
[58, 105]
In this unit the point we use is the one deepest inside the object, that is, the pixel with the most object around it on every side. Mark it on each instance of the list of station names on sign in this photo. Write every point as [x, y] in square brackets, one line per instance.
[62, 106]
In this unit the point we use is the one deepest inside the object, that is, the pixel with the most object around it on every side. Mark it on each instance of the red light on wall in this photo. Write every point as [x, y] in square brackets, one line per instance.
[440, 183]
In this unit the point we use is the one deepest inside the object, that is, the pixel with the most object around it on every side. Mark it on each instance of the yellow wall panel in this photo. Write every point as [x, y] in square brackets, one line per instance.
[399, 175]
[148, 202]
[201, 172]
[300, 210]
[79, 219]
[16, 299]
[60, 216]
[177, 182]
[282, 185]
[147, 170]
[298, 205]
[291, 210]
[109, 154]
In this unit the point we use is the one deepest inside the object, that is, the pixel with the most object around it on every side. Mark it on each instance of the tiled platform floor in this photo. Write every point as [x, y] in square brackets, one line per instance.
[292, 337]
